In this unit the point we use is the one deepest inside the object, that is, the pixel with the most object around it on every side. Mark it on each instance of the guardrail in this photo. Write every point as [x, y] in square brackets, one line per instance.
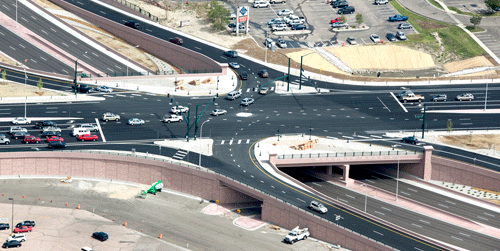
[139, 9]
[345, 154]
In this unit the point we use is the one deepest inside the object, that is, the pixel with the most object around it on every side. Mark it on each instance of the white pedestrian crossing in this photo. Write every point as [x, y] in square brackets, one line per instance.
[180, 154]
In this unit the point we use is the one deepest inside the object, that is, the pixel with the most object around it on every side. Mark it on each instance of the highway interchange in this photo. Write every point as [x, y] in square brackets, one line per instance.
[347, 112]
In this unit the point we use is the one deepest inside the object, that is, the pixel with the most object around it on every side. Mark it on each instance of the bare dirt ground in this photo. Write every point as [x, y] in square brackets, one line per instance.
[473, 141]
[11, 89]
[479, 61]
[6, 60]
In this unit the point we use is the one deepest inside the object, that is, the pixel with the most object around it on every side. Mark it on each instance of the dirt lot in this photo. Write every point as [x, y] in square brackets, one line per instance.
[10, 89]
[474, 141]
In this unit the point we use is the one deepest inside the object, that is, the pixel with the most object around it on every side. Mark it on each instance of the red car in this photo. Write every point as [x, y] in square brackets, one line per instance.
[338, 19]
[23, 229]
[87, 137]
[31, 139]
[54, 138]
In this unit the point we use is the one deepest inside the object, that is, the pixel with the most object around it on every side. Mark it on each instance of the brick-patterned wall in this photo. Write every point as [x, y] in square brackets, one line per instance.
[449, 170]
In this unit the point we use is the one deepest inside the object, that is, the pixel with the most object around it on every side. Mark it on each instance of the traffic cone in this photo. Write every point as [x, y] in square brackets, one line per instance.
[66, 203]
[78, 206]
[39, 198]
[125, 224]
[161, 236]
[23, 196]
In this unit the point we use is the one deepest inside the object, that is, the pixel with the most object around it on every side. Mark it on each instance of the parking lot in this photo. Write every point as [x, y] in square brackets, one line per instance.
[318, 14]
[474, 6]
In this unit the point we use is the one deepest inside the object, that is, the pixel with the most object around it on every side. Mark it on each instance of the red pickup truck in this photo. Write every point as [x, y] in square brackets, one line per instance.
[87, 137]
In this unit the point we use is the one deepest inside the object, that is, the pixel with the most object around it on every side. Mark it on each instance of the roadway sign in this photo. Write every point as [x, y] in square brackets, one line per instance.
[419, 116]
[242, 19]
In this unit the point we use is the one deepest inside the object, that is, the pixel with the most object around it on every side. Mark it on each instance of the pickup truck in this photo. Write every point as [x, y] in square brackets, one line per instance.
[398, 18]
[296, 235]
[410, 97]
[172, 118]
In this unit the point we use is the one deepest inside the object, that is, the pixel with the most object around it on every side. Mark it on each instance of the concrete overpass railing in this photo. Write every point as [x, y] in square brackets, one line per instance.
[344, 154]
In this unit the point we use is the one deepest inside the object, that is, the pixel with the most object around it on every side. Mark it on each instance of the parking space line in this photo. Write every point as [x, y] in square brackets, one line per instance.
[100, 129]
[402, 106]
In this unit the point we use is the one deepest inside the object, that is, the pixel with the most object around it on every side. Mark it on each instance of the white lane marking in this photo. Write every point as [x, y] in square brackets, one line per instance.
[379, 212]
[482, 218]
[443, 205]
[416, 225]
[248, 141]
[301, 200]
[413, 190]
[456, 238]
[100, 129]
[43, 58]
[386, 209]
[418, 249]
[120, 95]
[371, 181]
[402, 106]
[384, 104]
[51, 112]
[364, 137]
[252, 176]
[111, 96]
[405, 193]
[464, 234]
[197, 48]
[377, 232]
[453, 203]
[347, 137]
[345, 201]
[239, 141]
[283, 191]
[490, 215]
[231, 142]
[149, 30]
[424, 221]
[103, 12]
[352, 197]
[272, 186]
[375, 136]
[222, 143]
[22, 45]
[136, 94]
[317, 184]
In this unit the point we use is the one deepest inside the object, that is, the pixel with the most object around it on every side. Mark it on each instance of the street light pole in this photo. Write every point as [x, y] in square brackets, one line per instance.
[300, 75]
[16, 13]
[12, 199]
[486, 97]
[201, 133]
[76, 73]
[25, 96]
[366, 194]
[265, 58]
[423, 123]
[397, 182]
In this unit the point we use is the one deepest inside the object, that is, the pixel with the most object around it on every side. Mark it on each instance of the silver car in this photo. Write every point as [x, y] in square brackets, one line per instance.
[218, 112]
[234, 65]
[247, 101]
[135, 121]
[465, 96]
[405, 26]
[375, 38]
[104, 88]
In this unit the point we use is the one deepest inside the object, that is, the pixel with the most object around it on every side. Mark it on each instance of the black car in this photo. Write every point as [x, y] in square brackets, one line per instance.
[346, 10]
[4, 226]
[56, 145]
[390, 37]
[340, 5]
[243, 75]
[176, 40]
[19, 135]
[11, 244]
[132, 24]
[45, 123]
[411, 140]
[51, 133]
[83, 88]
[299, 27]
[100, 236]
[26, 223]
[231, 54]
[263, 74]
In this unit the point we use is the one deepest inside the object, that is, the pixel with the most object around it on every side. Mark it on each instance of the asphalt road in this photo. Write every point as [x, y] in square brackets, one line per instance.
[64, 40]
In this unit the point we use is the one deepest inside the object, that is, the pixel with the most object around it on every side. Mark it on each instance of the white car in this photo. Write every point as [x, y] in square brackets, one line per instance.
[316, 206]
[285, 12]
[135, 121]
[110, 116]
[103, 88]
[14, 129]
[172, 118]
[247, 101]
[179, 109]
[281, 43]
[290, 17]
[21, 121]
[91, 127]
[351, 41]
[17, 237]
[375, 38]
[279, 27]
[52, 129]
[260, 4]
[218, 112]
[234, 65]
[297, 234]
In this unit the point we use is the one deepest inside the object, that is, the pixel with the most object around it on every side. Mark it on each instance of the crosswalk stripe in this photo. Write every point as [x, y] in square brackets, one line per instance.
[231, 142]
[272, 88]
[248, 141]
[111, 96]
[375, 136]
[120, 95]
[248, 90]
[364, 137]
[239, 141]
[222, 143]
[347, 137]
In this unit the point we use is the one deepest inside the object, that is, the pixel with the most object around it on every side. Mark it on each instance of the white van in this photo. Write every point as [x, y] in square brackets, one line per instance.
[260, 4]
[80, 131]
[233, 95]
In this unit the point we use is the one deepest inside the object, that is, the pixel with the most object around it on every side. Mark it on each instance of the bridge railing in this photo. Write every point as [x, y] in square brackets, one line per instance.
[344, 154]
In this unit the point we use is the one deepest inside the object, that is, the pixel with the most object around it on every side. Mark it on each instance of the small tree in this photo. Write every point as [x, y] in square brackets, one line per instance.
[343, 18]
[493, 4]
[39, 84]
[359, 18]
[449, 126]
[218, 15]
[475, 20]
[4, 75]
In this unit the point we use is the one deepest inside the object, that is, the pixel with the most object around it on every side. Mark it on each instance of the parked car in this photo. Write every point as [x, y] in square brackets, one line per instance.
[410, 140]
[56, 145]
[218, 112]
[297, 234]
[247, 101]
[299, 27]
[14, 129]
[285, 12]
[277, 1]
[179, 109]
[234, 65]
[346, 10]
[176, 40]
[465, 96]
[339, 25]
[86, 249]
[400, 35]
[26, 223]
[135, 121]
[54, 138]
[100, 236]
[404, 26]
[379, 2]
[23, 229]
[87, 137]
[243, 75]
[335, 20]
[340, 4]
[21, 121]
[172, 118]
[4, 226]
[390, 37]
[398, 18]
[318, 207]
[31, 139]
[11, 244]
[44, 123]
[279, 27]
[375, 38]
[281, 43]
[132, 24]
[19, 135]
[110, 116]
[17, 237]
[263, 73]
[52, 128]
[231, 54]
[351, 41]
[104, 88]
[263, 90]
[260, 4]
[275, 20]
[439, 97]
[51, 133]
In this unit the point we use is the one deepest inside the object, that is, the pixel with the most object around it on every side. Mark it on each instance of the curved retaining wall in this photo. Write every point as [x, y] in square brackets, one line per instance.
[200, 183]
[181, 57]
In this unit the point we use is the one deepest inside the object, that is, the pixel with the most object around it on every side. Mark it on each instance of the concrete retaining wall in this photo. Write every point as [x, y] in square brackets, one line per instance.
[204, 184]
[181, 57]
